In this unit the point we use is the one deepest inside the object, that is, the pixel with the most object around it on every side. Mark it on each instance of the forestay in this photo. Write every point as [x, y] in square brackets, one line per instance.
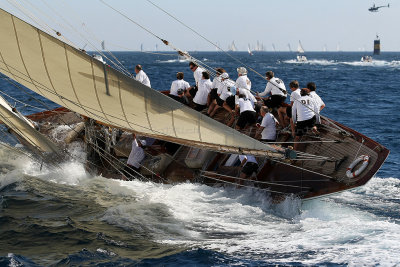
[77, 81]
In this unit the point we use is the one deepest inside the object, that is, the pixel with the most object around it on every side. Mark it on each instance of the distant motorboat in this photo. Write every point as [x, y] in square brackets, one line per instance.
[366, 59]
[301, 57]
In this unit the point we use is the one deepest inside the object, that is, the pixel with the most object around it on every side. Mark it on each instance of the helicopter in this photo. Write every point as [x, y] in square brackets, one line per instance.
[375, 8]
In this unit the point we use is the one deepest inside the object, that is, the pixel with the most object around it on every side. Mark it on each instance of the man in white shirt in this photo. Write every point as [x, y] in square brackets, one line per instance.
[294, 96]
[305, 114]
[267, 126]
[226, 86]
[312, 88]
[247, 113]
[200, 99]
[216, 87]
[276, 88]
[135, 158]
[141, 76]
[178, 87]
[243, 81]
[197, 74]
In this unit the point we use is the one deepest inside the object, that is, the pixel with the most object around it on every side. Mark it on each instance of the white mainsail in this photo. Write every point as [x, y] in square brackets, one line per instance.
[75, 80]
[300, 49]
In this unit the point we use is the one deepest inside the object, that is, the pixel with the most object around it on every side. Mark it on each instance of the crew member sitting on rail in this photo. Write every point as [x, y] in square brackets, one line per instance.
[135, 158]
[267, 126]
[305, 114]
[141, 76]
[312, 88]
[246, 107]
[200, 99]
[216, 88]
[178, 87]
[249, 166]
[227, 90]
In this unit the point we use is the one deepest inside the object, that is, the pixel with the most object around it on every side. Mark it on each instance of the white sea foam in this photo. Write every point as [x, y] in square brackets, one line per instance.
[347, 228]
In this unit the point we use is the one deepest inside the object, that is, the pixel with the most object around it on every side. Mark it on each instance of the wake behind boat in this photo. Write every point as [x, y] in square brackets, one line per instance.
[102, 106]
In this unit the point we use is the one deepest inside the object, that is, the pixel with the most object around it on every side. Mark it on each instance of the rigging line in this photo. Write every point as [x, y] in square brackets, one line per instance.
[250, 180]
[247, 186]
[37, 21]
[20, 152]
[75, 31]
[215, 45]
[125, 16]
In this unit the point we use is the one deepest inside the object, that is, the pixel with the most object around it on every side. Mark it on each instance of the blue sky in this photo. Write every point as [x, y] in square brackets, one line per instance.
[315, 22]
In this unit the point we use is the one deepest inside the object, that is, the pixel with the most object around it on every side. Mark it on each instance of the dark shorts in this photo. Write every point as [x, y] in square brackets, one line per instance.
[220, 102]
[130, 171]
[177, 98]
[213, 93]
[303, 126]
[289, 111]
[275, 101]
[193, 91]
[246, 117]
[199, 107]
[249, 168]
[230, 101]
[267, 140]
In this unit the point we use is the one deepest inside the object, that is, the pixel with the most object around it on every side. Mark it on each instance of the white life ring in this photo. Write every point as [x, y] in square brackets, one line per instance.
[350, 173]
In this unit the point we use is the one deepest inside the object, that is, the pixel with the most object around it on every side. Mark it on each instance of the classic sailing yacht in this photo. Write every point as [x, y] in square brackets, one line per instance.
[301, 57]
[106, 105]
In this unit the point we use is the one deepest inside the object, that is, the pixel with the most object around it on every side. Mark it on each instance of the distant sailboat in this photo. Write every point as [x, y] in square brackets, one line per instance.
[232, 47]
[290, 49]
[324, 49]
[273, 47]
[103, 46]
[301, 57]
[249, 50]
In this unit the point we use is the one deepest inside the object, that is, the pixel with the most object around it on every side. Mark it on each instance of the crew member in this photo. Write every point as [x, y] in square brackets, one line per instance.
[305, 114]
[141, 76]
[178, 87]
[249, 166]
[312, 90]
[135, 158]
[246, 107]
[200, 99]
[267, 126]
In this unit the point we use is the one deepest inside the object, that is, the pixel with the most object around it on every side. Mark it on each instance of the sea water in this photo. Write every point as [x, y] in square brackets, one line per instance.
[64, 216]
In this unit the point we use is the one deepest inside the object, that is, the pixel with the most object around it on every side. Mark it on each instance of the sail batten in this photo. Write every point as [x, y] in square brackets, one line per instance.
[77, 81]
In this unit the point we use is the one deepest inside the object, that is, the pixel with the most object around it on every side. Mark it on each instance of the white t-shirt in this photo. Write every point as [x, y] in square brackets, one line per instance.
[217, 83]
[250, 158]
[269, 124]
[245, 104]
[305, 108]
[273, 86]
[248, 95]
[204, 88]
[224, 92]
[136, 156]
[317, 98]
[198, 74]
[243, 82]
[141, 76]
[295, 95]
[178, 84]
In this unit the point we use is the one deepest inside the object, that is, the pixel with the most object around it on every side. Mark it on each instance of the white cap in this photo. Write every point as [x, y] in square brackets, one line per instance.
[143, 142]
[242, 70]
[225, 75]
